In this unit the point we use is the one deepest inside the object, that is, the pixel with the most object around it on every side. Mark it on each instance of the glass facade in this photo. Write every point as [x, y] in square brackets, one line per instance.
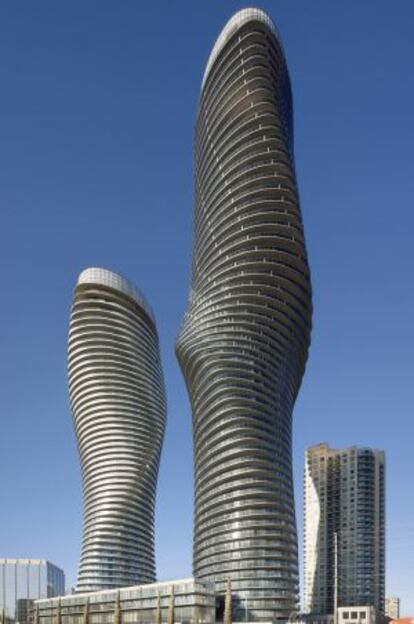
[187, 601]
[24, 580]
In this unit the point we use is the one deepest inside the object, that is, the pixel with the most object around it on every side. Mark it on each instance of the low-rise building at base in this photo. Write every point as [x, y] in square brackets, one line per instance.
[186, 601]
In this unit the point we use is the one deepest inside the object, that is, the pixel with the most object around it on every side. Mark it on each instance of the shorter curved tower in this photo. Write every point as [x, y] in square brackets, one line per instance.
[119, 412]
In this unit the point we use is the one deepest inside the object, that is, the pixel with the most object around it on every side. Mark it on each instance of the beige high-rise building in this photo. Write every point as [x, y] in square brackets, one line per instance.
[344, 494]
[392, 607]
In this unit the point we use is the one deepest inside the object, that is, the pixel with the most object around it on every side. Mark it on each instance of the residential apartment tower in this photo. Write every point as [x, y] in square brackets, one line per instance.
[244, 341]
[392, 607]
[344, 496]
[119, 411]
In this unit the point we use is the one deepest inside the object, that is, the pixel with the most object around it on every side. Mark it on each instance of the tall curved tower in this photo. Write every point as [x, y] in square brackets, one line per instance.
[119, 411]
[244, 341]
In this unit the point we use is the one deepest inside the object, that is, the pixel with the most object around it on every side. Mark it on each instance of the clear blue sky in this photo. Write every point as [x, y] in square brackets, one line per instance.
[97, 109]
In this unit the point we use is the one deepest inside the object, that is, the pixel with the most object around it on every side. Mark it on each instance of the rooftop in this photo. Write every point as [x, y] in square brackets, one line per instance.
[238, 20]
[104, 277]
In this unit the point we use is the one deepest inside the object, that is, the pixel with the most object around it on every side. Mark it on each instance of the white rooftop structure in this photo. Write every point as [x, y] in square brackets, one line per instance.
[237, 21]
[114, 280]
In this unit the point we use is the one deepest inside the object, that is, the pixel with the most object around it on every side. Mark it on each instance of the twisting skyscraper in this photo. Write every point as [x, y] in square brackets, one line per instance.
[244, 340]
[119, 411]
